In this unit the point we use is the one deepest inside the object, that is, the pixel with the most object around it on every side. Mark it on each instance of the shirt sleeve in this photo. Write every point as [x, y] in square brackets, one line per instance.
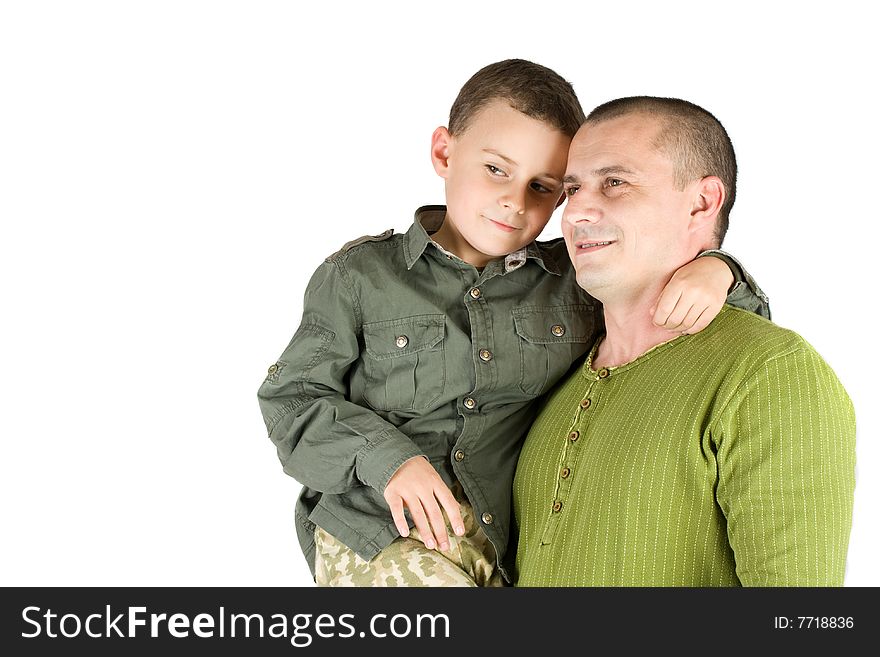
[745, 292]
[323, 440]
[786, 461]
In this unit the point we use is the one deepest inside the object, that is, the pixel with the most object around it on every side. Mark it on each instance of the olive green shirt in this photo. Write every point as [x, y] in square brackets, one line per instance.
[724, 458]
[405, 350]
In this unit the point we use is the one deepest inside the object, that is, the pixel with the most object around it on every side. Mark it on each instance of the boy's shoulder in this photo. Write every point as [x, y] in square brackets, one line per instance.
[557, 251]
[555, 245]
[365, 239]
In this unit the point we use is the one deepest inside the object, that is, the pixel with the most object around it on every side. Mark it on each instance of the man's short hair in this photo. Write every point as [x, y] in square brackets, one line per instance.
[534, 90]
[694, 140]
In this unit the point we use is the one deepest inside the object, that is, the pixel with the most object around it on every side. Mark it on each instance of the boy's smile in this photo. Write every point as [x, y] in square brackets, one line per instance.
[503, 180]
[502, 226]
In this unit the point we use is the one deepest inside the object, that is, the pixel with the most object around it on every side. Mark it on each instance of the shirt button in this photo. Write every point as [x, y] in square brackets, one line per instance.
[585, 403]
[558, 330]
[273, 368]
[459, 455]
[574, 435]
[401, 341]
[487, 518]
[485, 355]
[475, 293]
[603, 373]
[469, 403]
[565, 472]
[557, 506]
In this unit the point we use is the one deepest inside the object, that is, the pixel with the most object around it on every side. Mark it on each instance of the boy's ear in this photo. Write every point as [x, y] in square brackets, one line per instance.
[440, 143]
[708, 198]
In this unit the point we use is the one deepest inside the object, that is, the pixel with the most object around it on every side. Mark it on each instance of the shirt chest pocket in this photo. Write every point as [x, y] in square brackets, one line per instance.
[405, 364]
[551, 339]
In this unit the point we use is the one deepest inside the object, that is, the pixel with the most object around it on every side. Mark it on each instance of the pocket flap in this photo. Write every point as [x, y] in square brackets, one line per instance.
[408, 335]
[555, 324]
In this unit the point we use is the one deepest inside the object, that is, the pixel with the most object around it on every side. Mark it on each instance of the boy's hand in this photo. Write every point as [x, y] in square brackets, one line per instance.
[418, 486]
[693, 296]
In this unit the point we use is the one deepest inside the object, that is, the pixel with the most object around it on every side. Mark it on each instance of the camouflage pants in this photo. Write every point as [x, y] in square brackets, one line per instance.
[469, 561]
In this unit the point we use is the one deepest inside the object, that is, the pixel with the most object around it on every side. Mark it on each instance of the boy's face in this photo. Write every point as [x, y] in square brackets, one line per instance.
[503, 181]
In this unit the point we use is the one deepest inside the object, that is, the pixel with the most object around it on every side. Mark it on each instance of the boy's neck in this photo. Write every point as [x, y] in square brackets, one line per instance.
[452, 241]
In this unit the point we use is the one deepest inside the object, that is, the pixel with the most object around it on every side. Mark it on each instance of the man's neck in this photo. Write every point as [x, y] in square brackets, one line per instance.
[630, 330]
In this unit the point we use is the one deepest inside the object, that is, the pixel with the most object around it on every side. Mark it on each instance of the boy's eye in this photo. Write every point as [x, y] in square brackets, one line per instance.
[541, 188]
[495, 171]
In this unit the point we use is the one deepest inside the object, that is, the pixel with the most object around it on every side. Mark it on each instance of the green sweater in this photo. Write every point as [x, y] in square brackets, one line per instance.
[725, 458]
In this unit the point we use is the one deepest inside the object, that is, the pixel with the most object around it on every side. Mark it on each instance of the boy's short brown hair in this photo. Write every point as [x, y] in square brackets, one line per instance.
[534, 90]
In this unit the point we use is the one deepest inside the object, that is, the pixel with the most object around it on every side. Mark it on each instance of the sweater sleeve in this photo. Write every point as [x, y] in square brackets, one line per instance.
[786, 458]
[323, 440]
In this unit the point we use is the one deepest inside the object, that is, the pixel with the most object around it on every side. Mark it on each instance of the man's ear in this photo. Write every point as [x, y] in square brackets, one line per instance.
[709, 196]
[441, 140]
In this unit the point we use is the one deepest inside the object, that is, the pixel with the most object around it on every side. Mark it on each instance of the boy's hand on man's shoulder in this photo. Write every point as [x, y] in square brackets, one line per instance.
[694, 296]
[418, 487]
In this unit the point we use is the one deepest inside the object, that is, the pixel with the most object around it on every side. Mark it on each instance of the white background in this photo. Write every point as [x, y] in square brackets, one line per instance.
[172, 172]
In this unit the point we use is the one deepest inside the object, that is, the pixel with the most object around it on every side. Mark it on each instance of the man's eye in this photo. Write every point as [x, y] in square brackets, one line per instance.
[495, 171]
[571, 191]
[613, 182]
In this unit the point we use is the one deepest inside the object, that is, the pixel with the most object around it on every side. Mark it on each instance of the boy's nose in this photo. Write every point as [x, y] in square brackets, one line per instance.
[514, 201]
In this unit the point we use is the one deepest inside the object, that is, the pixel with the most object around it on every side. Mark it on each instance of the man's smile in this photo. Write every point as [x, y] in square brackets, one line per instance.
[590, 246]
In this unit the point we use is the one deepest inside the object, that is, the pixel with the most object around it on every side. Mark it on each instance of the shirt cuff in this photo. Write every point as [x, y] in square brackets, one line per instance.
[380, 459]
[733, 264]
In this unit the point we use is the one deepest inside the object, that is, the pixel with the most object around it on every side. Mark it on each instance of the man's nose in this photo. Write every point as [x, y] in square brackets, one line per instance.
[581, 208]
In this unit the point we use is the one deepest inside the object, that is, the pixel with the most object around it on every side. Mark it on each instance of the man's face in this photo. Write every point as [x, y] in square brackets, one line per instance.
[625, 223]
[503, 181]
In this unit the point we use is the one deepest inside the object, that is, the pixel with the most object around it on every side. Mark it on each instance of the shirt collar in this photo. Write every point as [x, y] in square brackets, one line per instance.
[429, 218]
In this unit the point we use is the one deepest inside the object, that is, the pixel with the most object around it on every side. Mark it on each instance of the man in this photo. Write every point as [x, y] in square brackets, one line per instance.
[724, 458]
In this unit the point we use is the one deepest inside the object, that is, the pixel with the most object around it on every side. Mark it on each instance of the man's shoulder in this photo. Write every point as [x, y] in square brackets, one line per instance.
[736, 319]
[745, 336]
[751, 353]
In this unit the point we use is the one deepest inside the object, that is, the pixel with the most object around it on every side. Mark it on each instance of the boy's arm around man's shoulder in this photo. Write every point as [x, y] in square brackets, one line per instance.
[323, 440]
[745, 292]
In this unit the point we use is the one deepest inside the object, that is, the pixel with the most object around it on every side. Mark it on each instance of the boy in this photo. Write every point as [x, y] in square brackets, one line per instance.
[414, 374]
